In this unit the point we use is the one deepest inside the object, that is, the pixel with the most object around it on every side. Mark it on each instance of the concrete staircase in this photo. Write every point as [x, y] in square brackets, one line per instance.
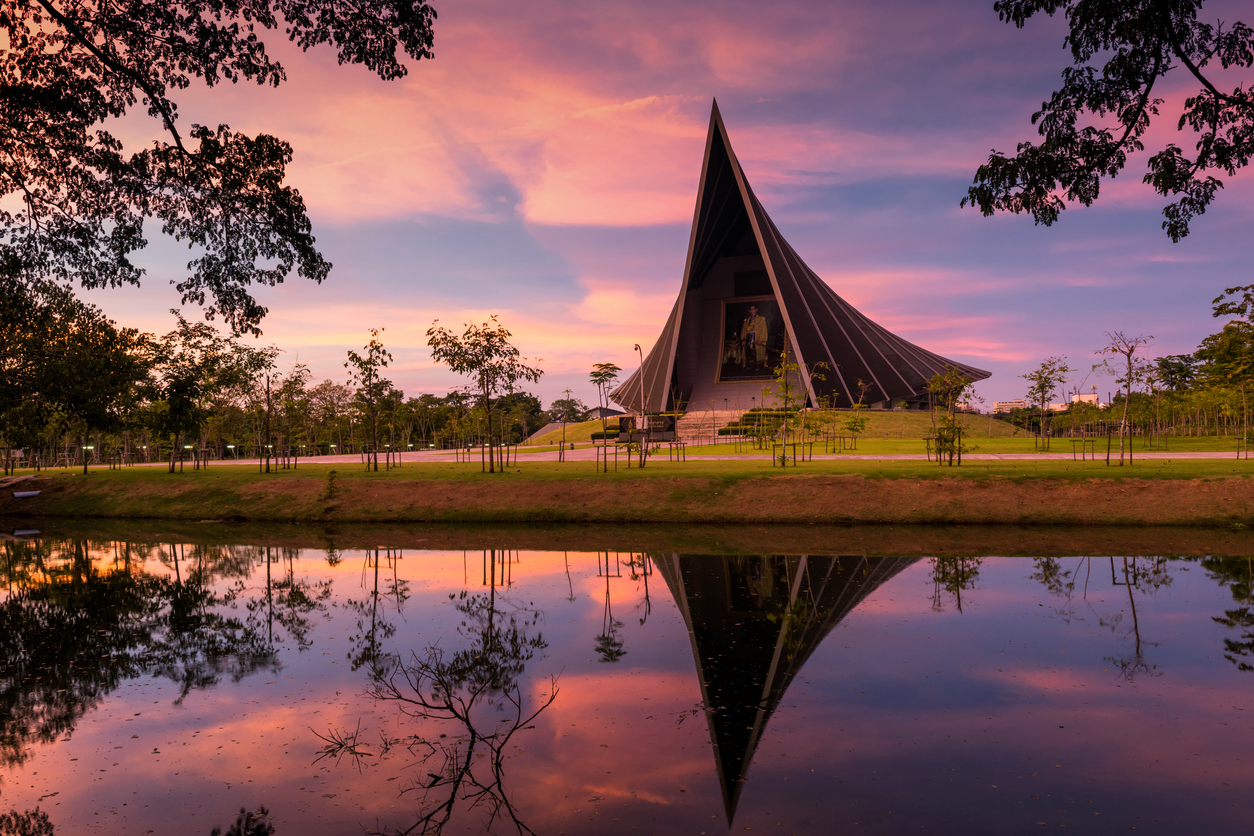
[704, 425]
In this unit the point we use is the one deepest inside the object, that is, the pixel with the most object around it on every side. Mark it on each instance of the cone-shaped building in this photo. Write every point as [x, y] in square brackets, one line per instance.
[746, 294]
[753, 621]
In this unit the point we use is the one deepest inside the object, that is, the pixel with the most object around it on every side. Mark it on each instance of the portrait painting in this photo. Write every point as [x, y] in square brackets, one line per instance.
[752, 339]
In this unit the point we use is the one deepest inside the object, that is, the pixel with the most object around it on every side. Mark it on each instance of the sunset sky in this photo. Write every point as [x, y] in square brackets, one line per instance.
[543, 167]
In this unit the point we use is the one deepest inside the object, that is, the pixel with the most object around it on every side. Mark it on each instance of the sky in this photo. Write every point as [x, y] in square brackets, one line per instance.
[543, 168]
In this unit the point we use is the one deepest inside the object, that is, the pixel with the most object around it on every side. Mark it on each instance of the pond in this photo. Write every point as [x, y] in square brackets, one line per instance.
[162, 682]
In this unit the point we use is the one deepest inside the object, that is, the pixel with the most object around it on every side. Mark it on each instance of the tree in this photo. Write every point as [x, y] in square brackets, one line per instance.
[1042, 383]
[372, 387]
[330, 403]
[947, 392]
[1227, 358]
[788, 394]
[69, 68]
[486, 354]
[62, 362]
[1176, 372]
[604, 376]
[1096, 119]
[195, 365]
[523, 409]
[1121, 345]
[567, 410]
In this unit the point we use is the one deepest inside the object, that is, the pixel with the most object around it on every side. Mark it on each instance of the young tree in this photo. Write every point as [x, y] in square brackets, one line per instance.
[372, 387]
[1042, 381]
[604, 376]
[856, 423]
[486, 354]
[1121, 345]
[72, 67]
[949, 391]
[1099, 117]
[787, 393]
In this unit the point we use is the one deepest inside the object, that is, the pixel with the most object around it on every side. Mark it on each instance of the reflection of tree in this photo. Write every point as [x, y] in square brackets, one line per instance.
[71, 632]
[1135, 665]
[500, 647]
[641, 568]
[249, 823]
[1144, 575]
[30, 823]
[609, 645]
[288, 600]
[466, 767]
[1238, 574]
[66, 646]
[372, 627]
[953, 575]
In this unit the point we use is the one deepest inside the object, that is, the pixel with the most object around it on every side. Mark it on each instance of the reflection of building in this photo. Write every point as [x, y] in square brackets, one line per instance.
[736, 257]
[753, 621]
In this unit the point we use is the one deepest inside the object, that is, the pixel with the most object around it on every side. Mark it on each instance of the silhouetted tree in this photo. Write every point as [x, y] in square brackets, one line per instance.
[486, 354]
[372, 387]
[71, 68]
[1099, 116]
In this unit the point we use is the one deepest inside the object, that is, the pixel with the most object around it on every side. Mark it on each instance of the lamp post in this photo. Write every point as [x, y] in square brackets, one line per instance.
[644, 419]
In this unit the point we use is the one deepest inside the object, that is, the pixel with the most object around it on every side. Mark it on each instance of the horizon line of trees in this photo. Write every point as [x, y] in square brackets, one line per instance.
[1205, 393]
[76, 389]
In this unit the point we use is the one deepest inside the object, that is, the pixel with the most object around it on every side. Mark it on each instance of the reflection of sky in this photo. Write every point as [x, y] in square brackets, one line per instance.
[994, 718]
[544, 167]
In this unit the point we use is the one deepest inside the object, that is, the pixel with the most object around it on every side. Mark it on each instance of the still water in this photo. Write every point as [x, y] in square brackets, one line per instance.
[156, 685]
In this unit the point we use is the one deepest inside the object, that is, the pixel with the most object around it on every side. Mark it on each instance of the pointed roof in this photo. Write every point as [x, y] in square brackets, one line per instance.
[823, 327]
[753, 621]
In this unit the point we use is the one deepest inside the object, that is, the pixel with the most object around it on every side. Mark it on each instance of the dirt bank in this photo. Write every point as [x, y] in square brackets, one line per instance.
[793, 499]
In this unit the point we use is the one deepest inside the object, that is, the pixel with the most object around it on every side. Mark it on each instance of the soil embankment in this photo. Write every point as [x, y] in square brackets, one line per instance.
[792, 499]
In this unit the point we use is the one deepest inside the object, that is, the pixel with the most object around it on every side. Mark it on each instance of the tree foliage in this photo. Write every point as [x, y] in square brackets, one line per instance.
[63, 363]
[67, 68]
[1042, 383]
[1098, 117]
[372, 386]
[485, 353]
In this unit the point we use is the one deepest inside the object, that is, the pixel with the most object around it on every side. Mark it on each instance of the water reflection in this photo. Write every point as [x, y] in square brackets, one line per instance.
[468, 705]
[753, 621]
[435, 677]
[72, 630]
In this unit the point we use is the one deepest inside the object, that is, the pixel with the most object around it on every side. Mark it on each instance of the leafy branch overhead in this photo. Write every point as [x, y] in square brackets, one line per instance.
[1098, 117]
[81, 202]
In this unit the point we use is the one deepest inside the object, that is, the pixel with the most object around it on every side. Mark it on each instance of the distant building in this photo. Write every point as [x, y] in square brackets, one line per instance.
[1089, 398]
[747, 300]
[599, 412]
[1009, 406]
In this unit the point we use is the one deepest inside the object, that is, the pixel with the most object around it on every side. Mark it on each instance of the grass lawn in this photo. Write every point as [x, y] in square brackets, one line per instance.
[847, 491]
[229, 476]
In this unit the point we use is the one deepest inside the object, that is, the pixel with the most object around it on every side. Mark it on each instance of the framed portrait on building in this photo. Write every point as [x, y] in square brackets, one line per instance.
[752, 338]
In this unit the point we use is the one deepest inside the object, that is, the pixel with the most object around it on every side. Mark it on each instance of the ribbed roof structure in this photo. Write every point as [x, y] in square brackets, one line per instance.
[821, 326]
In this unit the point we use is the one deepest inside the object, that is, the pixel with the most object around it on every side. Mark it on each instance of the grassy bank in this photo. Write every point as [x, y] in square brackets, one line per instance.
[1157, 492]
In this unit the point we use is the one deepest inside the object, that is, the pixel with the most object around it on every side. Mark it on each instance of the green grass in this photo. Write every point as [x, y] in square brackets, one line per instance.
[577, 433]
[230, 478]
[683, 490]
